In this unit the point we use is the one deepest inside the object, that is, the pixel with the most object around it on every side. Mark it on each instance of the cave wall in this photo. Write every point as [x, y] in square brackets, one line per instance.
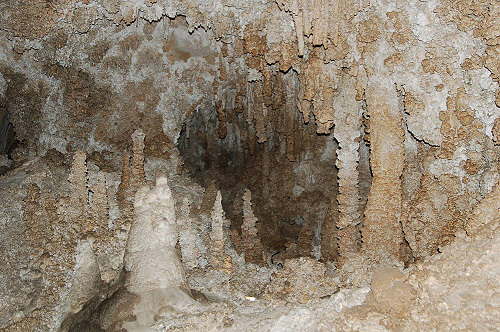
[95, 71]
[90, 80]
[401, 95]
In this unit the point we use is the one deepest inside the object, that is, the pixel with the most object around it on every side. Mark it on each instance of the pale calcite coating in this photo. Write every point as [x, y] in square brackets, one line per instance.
[151, 258]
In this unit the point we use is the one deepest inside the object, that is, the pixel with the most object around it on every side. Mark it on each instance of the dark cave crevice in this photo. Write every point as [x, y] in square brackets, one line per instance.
[8, 142]
[291, 198]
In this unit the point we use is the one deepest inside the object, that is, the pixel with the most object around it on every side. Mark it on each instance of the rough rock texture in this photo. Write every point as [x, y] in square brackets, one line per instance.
[348, 131]
[382, 235]
[54, 237]
[367, 133]
[300, 281]
[249, 233]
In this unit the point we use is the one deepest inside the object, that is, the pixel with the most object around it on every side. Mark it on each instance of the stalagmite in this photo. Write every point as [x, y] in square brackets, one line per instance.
[102, 235]
[151, 257]
[155, 273]
[217, 232]
[348, 133]
[125, 178]
[76, 211]
[138, 177]
[381, 233]
[32, 206]
[131, 179]
[249, 165]
[78, 186]
[249, 232]
[218, 237]
[193, 250]
[125, 195]
[99, 205]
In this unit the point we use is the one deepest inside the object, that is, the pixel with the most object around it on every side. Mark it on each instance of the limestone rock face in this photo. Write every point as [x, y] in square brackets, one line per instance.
[331, 165]
[61, 272]
[454, 293]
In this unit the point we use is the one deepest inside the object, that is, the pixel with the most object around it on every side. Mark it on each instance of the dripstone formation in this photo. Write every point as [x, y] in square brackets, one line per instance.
[258, 165]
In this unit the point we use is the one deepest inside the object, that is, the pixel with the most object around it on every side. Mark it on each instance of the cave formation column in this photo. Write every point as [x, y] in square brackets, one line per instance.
[347, 132]
[137, 167]
[251, 242]
[155, 276]
[151, 257]
[219, 259]
[78, 201]
[381, 233]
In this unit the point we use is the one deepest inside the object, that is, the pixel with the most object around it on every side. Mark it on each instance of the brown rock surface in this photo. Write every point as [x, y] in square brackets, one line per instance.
[367, 133]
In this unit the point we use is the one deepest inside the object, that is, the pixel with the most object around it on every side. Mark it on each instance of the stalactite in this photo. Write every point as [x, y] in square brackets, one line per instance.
[382, 234]
[221, 120]
[317, 93]
[324, 24]
[290, 142]
[299, 137]
[304, 106]
[321, 11]
[266, 164]
[365, 176]
[348, 134]
[249, 114]
[292, 122]
[269, 94]
[298, 15]
[250, 239]
[259, 113]
[321, 23]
